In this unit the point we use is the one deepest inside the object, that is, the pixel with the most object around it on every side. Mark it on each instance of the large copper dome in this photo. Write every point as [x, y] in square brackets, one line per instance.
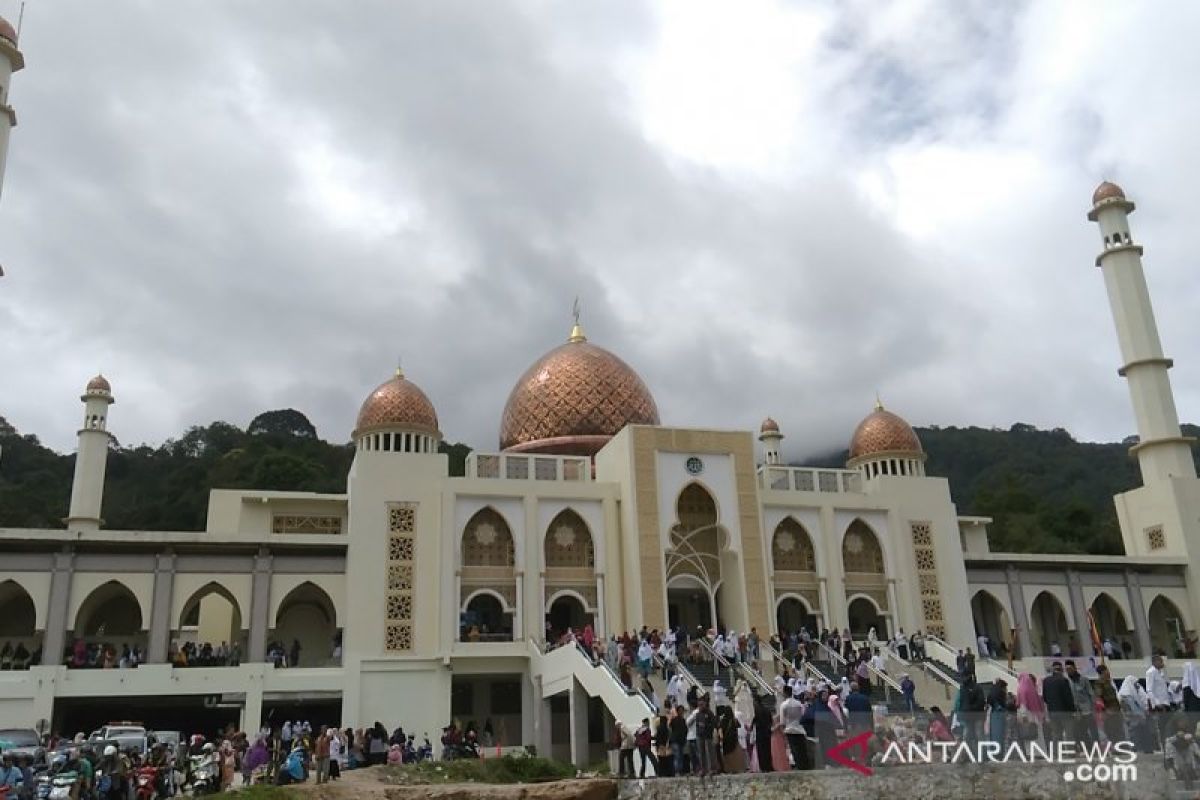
[573, 400]
[397, 403]
[884, 432]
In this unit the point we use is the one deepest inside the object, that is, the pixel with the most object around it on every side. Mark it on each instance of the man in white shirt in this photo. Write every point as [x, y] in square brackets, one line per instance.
[879, 663]
[790, 712]
[1156, 685]
[982, 641]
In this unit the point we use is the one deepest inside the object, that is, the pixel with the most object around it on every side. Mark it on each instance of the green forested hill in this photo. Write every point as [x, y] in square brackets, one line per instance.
[166, 487]
[1046, 491]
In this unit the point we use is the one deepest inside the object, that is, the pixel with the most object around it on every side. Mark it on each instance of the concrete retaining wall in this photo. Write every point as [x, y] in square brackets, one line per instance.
[942, 782]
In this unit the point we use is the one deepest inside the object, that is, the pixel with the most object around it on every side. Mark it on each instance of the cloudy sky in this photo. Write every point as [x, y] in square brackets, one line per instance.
[766, 207]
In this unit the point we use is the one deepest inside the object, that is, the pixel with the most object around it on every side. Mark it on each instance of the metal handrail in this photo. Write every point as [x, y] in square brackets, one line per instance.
[678, 666]
[978, 656]
[612, 673]
[835, 656]
[718, 659]
[776, 655]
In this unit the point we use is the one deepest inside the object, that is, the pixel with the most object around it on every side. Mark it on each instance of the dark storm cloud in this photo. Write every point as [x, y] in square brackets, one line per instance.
[234, 207]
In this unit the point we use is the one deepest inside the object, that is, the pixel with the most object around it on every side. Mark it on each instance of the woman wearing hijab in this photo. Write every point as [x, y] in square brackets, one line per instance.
[1133, 706]
[997, 706]
[589, 637]
[763, 723]
[1031, 708]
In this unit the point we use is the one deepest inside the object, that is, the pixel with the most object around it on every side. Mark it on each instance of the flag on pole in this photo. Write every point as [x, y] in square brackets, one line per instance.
[1097, 647]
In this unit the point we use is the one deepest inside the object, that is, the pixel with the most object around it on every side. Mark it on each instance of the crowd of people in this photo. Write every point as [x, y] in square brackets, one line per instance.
[18, 656]
[193, 654]
[82, 654]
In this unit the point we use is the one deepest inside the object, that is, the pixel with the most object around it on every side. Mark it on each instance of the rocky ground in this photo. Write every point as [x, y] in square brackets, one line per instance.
[369, 784]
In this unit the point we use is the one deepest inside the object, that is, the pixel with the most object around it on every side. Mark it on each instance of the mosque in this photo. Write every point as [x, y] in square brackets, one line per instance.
[415, 597]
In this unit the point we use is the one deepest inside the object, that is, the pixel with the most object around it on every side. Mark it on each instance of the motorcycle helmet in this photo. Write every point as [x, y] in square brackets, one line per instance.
[110, 751]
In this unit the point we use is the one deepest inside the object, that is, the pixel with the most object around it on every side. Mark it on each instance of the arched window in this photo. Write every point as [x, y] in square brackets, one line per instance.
[1049, 623]
[17, 614]
[568, 542]
[306, 627]
[110, 610]
[1168, 630]
[792, 548]
[860, 550]
[487, 541]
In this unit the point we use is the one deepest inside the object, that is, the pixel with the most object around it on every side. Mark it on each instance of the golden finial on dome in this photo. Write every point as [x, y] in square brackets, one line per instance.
[399, 367]
[878, 402]
[576, 329]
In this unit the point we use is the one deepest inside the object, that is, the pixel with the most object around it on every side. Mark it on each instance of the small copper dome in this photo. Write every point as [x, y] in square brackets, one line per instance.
[573, 400]
[99, 384]
[7, 31]
[883, 432]
[769, 426]
[1107, 191]
[397, 403]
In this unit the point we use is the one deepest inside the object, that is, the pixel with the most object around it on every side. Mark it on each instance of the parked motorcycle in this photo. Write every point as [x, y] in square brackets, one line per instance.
[62, 785]
[146, 783]
[206, 775]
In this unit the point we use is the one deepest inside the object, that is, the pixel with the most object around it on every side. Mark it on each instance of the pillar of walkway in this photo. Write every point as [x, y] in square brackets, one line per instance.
[578, 703]
[1083, 629]
[252, 711]
[160, 608]
[55, 638]
[1141, 622]
[260, 608]
[1020, 619]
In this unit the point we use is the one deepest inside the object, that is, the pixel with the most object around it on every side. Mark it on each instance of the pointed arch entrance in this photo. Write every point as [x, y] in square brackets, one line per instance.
[991, 618]
[1112, 625]
[18, 627]
[306, 627]
[865, 572]
[1168, 629]
[693, 561]
[1049, 623]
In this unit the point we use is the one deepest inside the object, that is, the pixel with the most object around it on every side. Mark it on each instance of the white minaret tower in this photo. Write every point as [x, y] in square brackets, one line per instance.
[1162, 450]
[11, 60]
[87, 490]
[770, 437]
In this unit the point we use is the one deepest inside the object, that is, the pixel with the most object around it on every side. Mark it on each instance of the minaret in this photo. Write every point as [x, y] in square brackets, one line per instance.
[770, 437]
[1162, 450]
[11, 60]
[87, 490]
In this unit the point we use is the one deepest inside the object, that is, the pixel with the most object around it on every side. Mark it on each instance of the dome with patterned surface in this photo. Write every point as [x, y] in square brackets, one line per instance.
[1107, 191]
[573, 400]
[397, 403]
[99, 384]
[769, 426]
[884, 432]
[7, 31]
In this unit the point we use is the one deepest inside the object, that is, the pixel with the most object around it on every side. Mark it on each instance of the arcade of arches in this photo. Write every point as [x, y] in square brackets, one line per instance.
[1049, 626]
[307, 616]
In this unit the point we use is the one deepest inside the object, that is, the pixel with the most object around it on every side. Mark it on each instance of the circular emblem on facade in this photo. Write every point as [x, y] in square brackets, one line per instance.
[694, 465]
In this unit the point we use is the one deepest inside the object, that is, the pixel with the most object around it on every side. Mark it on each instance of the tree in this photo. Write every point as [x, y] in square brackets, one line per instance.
[283, 422]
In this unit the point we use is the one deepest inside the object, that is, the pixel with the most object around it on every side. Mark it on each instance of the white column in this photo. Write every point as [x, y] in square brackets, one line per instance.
[825, 619]
[91, 459]
[893, 606]
[518, 631]
[11, 60]
[600, 626]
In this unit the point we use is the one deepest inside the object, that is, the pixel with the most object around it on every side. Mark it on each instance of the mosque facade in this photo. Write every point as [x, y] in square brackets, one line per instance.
[415, 597]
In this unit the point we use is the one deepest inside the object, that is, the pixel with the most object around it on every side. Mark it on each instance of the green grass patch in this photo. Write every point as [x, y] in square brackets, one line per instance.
[508, 769]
